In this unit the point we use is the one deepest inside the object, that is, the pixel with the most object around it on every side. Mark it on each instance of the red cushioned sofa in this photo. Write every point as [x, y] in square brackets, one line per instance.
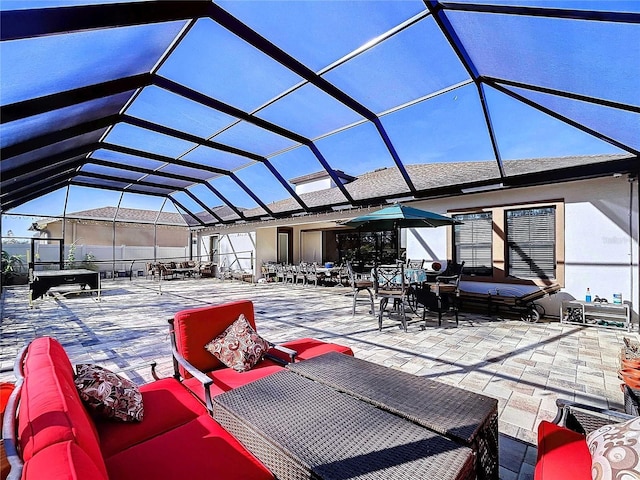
[204, 374]
[49, 434]
[563, 453]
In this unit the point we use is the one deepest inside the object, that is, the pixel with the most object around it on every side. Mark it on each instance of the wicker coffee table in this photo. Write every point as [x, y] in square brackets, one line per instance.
[303, 429]
[465, 417]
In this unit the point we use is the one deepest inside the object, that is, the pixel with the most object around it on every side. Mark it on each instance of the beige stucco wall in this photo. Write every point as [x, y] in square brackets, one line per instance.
[131, 234]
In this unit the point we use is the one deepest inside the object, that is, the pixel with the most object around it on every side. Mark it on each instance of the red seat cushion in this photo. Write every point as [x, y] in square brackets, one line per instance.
[167, 404]
[196, 327]
[62, 461]
[228, 378]
[198, 450]
[310, 347]
[562, 454]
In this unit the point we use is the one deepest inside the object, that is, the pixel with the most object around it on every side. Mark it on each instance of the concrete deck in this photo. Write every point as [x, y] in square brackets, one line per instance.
[525, 366]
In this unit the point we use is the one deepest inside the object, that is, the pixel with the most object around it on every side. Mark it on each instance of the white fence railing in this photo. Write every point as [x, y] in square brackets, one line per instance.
[124, 258]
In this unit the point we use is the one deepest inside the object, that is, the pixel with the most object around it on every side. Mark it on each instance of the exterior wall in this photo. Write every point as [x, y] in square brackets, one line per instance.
[600, 246]
[311, 246]
[266, 247]
[314, 186]
[101, 233]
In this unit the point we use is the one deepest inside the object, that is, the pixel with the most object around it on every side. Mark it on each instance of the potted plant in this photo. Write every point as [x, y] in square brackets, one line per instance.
[12, 267]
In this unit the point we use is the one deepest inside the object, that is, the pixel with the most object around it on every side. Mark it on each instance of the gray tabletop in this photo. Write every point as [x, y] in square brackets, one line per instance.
[300, 428]
[463, 416]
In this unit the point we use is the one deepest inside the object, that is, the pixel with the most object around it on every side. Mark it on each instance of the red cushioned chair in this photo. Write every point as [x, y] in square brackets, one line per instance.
[563, 453]
[201, 372]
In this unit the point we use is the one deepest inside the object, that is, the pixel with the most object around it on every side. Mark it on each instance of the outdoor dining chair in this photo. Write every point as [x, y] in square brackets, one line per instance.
[391, 284]
[446, 295]
[312, 275]
[359, 285]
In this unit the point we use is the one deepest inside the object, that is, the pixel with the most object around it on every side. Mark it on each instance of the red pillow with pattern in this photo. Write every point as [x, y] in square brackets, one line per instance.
[108, 394]
[239, 346]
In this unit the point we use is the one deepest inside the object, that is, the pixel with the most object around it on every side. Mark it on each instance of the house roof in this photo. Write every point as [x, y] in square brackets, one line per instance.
[216, 105]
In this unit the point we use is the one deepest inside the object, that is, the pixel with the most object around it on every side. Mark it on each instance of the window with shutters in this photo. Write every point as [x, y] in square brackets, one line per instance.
[531, 243]
[472, 240]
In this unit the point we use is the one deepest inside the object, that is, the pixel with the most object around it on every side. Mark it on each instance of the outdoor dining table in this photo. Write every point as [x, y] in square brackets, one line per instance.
[337, 417]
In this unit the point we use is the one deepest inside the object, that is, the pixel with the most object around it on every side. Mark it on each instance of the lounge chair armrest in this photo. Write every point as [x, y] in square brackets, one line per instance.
[447, 278]
[9, 424]
[205, 380]
[153, 364]
[287, 351]
[586, 418]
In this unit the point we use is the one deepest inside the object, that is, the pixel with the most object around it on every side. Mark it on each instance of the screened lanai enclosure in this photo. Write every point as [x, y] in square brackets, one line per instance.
[205, 112]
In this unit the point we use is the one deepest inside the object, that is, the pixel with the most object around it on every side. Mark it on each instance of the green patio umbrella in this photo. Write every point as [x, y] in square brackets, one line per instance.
[399, 216]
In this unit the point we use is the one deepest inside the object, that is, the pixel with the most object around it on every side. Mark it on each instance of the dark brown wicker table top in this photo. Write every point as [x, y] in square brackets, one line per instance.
[448, 410]
[334, 435]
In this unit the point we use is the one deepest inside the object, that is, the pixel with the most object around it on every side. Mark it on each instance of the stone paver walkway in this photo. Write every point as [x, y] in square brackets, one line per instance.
[525, 366]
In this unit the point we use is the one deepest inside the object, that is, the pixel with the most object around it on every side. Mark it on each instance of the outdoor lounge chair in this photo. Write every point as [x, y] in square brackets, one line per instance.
[204, 374]
[563, 452]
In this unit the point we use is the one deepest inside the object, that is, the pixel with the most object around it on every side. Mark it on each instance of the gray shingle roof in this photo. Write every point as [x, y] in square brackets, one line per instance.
[388, 182]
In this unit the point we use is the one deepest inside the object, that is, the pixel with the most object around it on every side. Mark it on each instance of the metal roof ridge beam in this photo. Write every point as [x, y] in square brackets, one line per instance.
[189, 212]
[13, 203]
[142, 170]
[331, 172]
[231, 23]
[573, 14]
[55, 101]
[207, 209]
[560, 93]
[394, 154]
[155, 127]
[249, 192]
[227, 202]
[567, 120]
[48, 161]
[215, 145]
[203, 99]
[274, 171]
[490, 129]
[38, 22]
[162, 158]
[57, 136]
[31, 181]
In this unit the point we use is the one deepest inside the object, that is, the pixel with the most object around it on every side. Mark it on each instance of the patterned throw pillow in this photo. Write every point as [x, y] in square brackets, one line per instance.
[239, 346]
[109, 394]
[615, 451]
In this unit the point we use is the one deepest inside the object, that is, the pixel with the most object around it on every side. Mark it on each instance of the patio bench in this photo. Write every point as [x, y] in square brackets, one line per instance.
[206, 376]
[563, 451]
[50, 434]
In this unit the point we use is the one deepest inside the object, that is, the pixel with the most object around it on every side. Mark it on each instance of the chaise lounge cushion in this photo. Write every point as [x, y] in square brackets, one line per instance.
[62, 461]
[310, 347]
[167, 405]
[562, 454]
[50, 408]
[200, 449]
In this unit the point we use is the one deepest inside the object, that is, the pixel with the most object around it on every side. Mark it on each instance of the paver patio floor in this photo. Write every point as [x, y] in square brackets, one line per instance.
[525, 366]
